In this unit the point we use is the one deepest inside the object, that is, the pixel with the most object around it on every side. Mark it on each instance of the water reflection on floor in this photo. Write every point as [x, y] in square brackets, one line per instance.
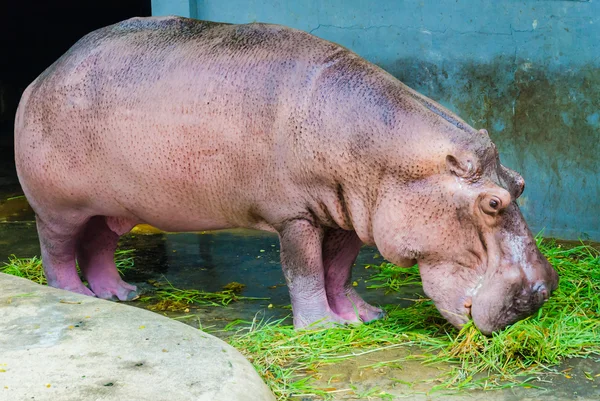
[208, 261]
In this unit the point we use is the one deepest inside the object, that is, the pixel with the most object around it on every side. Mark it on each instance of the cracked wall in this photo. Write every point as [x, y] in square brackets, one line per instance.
[528, 71]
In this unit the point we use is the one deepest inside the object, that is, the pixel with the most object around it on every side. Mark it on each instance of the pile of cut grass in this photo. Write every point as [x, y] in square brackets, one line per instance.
[167, 297]
[31, 268]
[567, 326]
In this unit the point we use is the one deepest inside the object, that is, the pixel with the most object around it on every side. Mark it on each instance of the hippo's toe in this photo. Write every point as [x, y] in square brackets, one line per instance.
[114, 290]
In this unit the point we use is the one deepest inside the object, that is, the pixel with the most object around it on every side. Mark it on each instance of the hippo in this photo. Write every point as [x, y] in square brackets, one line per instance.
[190, 125]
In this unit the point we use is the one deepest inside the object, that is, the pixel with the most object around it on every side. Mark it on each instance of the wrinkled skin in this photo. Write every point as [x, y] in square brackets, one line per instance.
[189, 125]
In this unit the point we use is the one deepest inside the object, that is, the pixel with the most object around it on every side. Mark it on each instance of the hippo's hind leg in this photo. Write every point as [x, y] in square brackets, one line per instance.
[340, 249]
[302, 263]
[58, 241]
[96, 253]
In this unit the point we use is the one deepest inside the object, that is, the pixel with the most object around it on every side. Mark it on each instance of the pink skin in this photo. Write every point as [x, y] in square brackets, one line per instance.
[301, 244]
[340, 250]
[96, 257]
[189, 125]
[95, 245]
[58, 244]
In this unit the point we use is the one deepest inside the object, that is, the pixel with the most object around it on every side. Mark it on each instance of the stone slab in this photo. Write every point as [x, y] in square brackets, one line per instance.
[60, 346]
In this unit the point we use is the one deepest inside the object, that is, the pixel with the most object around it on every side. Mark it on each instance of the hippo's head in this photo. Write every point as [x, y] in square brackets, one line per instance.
[461, 223]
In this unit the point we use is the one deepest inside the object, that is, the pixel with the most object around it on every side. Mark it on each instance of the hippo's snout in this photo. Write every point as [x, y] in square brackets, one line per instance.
[516, 293]
[542, 289]
[531, 299]
[544, 283]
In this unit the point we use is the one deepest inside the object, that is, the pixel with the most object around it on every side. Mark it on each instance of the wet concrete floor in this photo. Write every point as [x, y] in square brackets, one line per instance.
[209, 261]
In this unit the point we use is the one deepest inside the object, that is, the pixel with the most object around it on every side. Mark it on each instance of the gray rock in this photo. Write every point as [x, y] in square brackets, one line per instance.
[57, 345]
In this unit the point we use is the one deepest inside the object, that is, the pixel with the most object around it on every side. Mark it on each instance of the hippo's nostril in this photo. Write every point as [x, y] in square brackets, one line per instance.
[541, 289]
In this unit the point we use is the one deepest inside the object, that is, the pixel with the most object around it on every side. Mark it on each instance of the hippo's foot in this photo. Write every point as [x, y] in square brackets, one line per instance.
[83, 290]
[349, 304]
[326, 319]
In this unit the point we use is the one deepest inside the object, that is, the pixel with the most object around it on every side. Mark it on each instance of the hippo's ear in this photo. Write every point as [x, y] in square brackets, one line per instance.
[464, 166]
[513, 181]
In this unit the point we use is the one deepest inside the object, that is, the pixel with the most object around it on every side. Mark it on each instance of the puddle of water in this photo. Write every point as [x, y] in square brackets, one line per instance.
[19, 238]
[209, 262]
[366, 373]
[15, 209]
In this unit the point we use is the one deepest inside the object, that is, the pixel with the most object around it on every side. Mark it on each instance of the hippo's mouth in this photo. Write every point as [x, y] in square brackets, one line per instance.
[491, 302]
[457, 315]
[468, 304]
[491, 314]
[454, 305]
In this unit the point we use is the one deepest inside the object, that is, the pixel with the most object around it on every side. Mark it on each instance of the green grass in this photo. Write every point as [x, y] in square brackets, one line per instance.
[31, 268]
[568, 325]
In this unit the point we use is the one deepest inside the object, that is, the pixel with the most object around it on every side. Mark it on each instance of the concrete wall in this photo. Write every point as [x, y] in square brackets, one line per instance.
[528, 71]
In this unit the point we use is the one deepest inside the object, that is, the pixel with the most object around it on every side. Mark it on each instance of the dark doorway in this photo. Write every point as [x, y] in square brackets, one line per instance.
[33, 34]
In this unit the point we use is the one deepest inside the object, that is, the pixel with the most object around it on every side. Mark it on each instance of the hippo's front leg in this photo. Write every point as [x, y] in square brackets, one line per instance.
[340, 249]
[302, 263]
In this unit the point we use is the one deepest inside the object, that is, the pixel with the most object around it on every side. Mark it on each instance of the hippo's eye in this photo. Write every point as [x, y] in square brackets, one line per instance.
[493, 203]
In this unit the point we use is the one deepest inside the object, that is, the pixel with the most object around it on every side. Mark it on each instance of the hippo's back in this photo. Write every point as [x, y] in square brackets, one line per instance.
[152, 39]
[178, 106]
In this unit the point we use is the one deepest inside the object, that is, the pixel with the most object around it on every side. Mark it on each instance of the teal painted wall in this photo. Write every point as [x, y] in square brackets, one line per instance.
[528, 71]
